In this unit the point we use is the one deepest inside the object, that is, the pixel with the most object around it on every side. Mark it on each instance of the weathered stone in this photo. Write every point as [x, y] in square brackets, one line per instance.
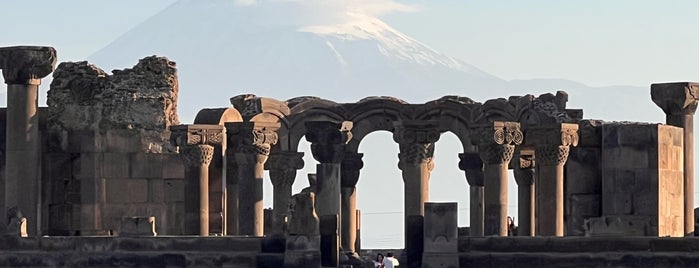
[303, 219]
[138, 226]
[618, 226]
[440, 229]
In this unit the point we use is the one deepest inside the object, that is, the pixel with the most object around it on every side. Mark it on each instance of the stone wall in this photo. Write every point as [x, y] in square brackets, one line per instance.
[583, 169]
[642, 183]
[108, 153]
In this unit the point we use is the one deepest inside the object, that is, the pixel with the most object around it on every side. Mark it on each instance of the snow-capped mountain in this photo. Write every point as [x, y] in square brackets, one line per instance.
[283, 49]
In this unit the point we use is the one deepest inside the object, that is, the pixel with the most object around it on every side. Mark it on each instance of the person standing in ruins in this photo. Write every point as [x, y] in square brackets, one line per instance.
[378, 262]
[390, 261]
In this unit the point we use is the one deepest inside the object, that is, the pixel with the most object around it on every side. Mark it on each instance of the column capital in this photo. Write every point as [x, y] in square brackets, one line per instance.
[328, 140]
[26, 64]
[524, 168]
[416, 131]
[497, 133]
[184, 135]
[564, 134]
[676, 98]
[197, 155]
[254, 138]
[282, 167]
[472, 165]
[352, 164]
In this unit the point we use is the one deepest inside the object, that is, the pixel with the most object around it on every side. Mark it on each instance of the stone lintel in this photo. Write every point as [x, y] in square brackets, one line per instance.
[676, 98]
[498, 132]
[352, 164]
[26, 64]
[183, 135]
[564, 134]
[416, 131]
[250, 106]
[328, 139]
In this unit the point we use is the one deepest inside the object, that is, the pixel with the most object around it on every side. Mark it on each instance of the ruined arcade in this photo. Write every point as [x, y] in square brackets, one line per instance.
[107, 174]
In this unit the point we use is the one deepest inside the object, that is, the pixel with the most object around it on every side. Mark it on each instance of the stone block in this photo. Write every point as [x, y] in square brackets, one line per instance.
[440, 260]
[156, 190]
[173, 167]
[303, 243]
[144, 165]
[89, 165]
[127, 191]
[92, 190]
[302, 259]
[414, 239]
[329, 240]
[440, 227]
[585, 205]
[618, 226]
[115, 165]
[85, 141]
[123, 141]
[137, 226]
[584, 170]
[303, 219]
[173, 190]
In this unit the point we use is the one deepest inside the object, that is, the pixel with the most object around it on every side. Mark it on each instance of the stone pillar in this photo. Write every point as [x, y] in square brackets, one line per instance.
[679, 102]
[441, 235]
[251, 142]
[23, 68]
[196, 144]
[552, 148]
[416, 142]
[282, 168]
[351, 165]
[328, 141]
[472, 165]
[526, 189]
[496, 145]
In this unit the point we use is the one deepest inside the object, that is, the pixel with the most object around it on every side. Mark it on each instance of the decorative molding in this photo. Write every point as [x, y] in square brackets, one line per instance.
[254, 138]
[552, 155]
[199, 155]
[24, 64]
[184, 135]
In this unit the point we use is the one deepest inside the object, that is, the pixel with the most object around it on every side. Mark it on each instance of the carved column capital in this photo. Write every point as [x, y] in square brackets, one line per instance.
[496, 142]
[551, 155]
[352, 164]
[472, 165]
[26, 64]
[676, 98]
[416, 142]
[252, 138]
[183, 135]
[282, 167]
[328, 140]
[553, 142]
[199, 155]
[524, 168]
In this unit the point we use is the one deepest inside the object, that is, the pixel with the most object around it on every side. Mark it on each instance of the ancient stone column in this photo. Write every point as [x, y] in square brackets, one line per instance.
[251, 142]
[524, 176]
[23, 68]
[196, 143]
[416, 143]
[328, 141]
[282, 168]
[679, 102]
[496, 144]
[552, 148]
[350, 167]
[472, 165]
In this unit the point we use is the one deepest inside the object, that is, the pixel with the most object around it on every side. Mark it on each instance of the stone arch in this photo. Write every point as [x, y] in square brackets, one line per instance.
[455, 114]
[373, 114]
[304, 109]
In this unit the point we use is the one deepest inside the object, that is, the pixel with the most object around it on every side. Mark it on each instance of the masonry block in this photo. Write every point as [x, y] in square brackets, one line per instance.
[115, 165]
[144, 165]
[127, 191]
[123, 141]
[173, 190]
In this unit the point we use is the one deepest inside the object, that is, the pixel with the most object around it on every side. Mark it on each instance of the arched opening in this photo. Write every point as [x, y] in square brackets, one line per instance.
[447, 182]
[380, 193]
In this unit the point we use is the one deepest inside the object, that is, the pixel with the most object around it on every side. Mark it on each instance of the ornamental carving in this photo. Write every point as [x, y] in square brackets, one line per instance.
[496, 154]
[414, 154]
[285, 161]
[252, 137]
[328, 140]
[551, 155]
[505, 133]
[197, 155]
[524, 170]
[24, 63]
[183, 135]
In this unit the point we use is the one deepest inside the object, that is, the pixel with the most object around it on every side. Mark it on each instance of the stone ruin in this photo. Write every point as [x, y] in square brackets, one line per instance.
[108, 157]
